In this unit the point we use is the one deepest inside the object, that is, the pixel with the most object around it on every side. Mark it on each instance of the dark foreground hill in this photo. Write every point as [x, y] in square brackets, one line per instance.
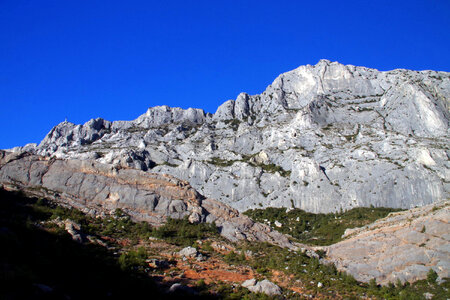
[52, 252]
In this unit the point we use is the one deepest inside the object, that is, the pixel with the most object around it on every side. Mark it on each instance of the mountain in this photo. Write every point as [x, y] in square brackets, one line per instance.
[322, 138]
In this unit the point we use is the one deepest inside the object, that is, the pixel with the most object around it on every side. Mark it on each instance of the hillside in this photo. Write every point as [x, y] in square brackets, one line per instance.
[52, 251]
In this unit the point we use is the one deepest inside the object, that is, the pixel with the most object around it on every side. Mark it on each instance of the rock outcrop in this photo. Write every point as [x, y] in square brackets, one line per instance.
[403, 246]
[189, 252]
[264, 286]
[99, 189]
[320, 138]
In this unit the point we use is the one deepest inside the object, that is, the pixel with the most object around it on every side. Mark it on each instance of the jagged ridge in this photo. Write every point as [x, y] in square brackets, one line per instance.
[321, 138]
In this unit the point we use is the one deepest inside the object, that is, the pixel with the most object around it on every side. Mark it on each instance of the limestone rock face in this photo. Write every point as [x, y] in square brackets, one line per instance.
[403, 246]
[320, 138]
[99, 189]
[161, 115]
[68, 134]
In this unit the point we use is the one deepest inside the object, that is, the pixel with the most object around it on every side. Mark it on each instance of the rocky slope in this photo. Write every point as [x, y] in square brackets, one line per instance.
[98, 188]
[321, 138]
[403, 246]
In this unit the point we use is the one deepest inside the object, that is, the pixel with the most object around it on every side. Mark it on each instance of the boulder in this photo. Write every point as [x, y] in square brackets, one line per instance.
[188, 252]
[73, 229]
[158, 263]
[178, 288]
[265, 286]
[249, 282]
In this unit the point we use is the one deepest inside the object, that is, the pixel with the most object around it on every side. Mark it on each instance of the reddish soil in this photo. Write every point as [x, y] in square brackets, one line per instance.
[214, 270]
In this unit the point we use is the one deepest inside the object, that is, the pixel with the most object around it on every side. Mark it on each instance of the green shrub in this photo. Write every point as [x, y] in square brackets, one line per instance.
[133, 259]
[234, 258]
[432, 276]
[183, 233]
[221, 162]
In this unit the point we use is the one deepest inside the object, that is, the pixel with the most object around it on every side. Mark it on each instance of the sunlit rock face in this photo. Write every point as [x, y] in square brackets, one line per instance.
[321, 138]
[99, 189]
[403, 246]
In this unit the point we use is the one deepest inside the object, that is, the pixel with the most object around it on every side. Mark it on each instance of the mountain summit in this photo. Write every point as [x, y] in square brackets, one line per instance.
[323, 138]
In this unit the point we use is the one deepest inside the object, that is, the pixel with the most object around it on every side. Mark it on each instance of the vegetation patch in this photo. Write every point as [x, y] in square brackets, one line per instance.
[166, 163]
[270, 168]
[308, 272]
[182, 233]
[135, 129]
[233, 123]
[221, 162]
[318, 229]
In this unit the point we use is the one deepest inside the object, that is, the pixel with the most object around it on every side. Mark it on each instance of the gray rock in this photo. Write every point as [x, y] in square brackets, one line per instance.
[195, 218]
[225, 111]
[158, 263]
[345, 137]
[190, 252]
[398, 247]
[249, 282]
[241, 106]
[100, 189]
[200, 257]
[265, 286]
[73, 229]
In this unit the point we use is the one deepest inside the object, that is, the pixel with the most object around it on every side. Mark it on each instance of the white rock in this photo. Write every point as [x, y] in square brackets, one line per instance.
[188, 252]
[265, 286]
[345, 136]
[249, 282]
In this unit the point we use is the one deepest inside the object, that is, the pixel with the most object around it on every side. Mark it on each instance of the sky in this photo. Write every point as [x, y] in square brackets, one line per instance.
[113, 59]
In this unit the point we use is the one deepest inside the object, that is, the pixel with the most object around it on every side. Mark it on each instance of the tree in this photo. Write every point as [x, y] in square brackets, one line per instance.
[432, 276]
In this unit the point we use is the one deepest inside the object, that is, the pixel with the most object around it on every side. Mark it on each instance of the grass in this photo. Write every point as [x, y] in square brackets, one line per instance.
[318, 229]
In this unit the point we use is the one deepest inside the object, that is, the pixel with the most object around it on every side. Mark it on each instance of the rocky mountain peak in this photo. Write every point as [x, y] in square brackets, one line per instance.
[161, 115]
[330, 92]
[333, 136]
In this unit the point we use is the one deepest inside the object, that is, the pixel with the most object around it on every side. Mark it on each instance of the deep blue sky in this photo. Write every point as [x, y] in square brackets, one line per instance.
[114, 59]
